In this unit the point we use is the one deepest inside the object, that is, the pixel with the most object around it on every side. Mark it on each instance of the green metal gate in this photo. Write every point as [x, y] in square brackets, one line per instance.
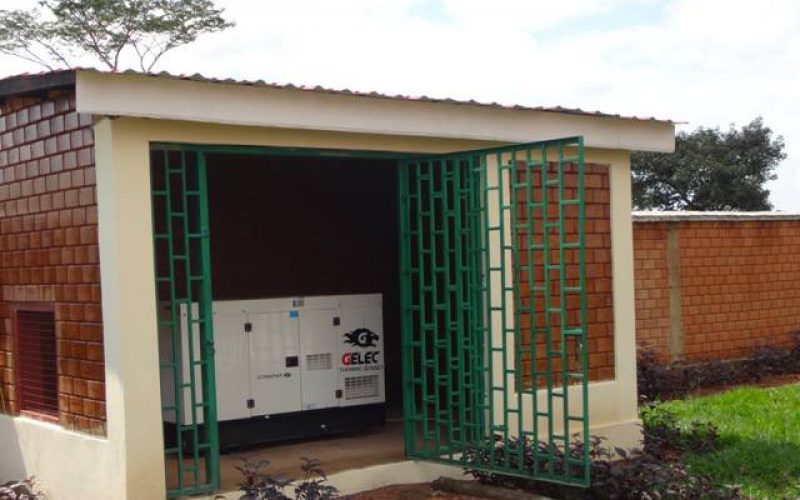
[495, 353]
[186, 337]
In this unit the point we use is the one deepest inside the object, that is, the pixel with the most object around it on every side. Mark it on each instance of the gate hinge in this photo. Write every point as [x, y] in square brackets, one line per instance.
[248, 327]
[251, 403]
[336, 321]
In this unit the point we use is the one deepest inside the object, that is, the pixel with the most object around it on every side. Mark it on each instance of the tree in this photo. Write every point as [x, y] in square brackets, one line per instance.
[710, 170]
[106, 29]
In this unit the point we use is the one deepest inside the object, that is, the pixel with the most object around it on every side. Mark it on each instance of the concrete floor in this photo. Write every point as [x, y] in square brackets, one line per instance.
[375, 447]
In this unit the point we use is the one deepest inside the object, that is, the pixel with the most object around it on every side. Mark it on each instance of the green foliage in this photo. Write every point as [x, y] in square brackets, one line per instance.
[657, 381]
[759, 438]
[105, 29]
[667, 438]
[632, 475]
[709, 170]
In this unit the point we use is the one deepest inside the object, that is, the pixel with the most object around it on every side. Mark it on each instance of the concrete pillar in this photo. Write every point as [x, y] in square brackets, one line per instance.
[676, 351]
[129, 311]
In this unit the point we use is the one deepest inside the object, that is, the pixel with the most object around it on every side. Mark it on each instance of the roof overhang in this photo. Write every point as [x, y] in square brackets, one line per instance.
[38, 85]
[234, 103]
[146, 96]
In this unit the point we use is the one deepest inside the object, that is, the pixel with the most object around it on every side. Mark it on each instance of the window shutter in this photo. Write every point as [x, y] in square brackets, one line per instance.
[37, 373]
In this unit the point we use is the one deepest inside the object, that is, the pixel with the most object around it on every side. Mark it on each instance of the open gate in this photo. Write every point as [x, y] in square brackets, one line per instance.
[185, 326]
[493, 293]
[495, 354]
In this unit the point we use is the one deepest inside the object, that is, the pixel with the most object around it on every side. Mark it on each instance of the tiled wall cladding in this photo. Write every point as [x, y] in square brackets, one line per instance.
[48, 248]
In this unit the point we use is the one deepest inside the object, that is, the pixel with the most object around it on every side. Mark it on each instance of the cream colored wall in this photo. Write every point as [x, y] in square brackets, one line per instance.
[66, 465]
[126, 257]
[133, 406]
[613, 403]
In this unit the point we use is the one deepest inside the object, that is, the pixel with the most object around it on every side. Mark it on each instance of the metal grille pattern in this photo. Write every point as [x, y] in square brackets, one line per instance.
[319, 361]
[182, 256]
[493, 293]
[37, 373]
[361, 386]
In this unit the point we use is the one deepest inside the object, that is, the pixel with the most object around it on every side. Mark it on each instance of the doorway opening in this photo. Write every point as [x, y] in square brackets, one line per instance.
[447, 292]
[302, 260]
[322, 230]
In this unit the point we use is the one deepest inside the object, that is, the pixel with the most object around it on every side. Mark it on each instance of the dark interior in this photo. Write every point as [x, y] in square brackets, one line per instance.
[306, 225]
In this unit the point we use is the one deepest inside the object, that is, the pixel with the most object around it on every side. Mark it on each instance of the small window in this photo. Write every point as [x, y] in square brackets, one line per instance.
[37, 373]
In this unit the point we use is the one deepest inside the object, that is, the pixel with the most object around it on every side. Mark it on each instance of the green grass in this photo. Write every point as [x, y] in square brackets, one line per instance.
[759, 438]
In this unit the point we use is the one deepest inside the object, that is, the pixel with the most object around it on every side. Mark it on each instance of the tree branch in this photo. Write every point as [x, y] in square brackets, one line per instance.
[95, 44]
[30, 57]
[163, 51]
[54, 53]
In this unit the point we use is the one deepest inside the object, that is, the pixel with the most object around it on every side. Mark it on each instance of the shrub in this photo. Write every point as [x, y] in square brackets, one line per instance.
[634, 475]
[648, 473]
[20, 490]
[666, 440]
[259, 485]
[657, 381]
[312, 486]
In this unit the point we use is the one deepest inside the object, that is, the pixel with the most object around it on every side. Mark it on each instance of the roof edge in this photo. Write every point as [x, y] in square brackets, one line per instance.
[267, 106]
[715, 216]
[26, 84]
[37, 83]
[197, 77]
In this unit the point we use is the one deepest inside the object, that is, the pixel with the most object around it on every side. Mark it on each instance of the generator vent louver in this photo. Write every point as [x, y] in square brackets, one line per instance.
[360, 387]
[319, 361]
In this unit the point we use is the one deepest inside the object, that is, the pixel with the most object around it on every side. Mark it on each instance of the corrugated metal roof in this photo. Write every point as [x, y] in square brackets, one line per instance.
[197, 77]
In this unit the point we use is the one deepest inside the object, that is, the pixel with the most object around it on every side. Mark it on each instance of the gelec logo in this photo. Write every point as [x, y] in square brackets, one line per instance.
[361, 337]
[360, 358]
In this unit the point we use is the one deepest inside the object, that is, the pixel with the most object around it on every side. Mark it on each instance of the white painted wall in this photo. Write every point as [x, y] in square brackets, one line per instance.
[67, 465]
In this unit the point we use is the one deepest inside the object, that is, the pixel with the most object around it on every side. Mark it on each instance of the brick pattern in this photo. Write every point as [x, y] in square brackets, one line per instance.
[740, 286]
[651, 281]
[600, 316]
[48, 248]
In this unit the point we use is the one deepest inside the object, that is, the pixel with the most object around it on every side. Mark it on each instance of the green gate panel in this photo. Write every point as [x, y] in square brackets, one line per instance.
[186, 336]
[493, 291]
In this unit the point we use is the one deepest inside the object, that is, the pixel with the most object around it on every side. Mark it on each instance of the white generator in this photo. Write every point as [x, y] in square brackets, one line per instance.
[292, 367]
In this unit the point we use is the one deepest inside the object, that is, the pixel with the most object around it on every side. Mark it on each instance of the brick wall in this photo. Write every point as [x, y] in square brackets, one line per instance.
[737, 286]
[48, 248]
[651, 283]
[600, 315]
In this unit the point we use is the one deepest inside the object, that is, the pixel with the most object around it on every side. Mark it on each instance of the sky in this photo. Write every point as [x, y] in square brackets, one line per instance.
[710, 63]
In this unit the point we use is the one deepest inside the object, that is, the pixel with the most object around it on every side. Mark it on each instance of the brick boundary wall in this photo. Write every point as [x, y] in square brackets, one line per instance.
[48, 248]
[716, 286]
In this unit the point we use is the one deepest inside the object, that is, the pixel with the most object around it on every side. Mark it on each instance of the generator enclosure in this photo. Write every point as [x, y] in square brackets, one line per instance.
[289, 368]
